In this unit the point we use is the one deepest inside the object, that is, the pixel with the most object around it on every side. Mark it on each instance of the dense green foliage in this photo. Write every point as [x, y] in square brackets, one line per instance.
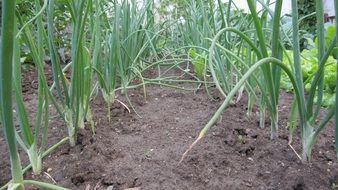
[175, 7]
[306, 7]
[309, 62]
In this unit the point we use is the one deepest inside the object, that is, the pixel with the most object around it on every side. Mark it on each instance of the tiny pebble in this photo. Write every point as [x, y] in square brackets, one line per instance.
[135, 188]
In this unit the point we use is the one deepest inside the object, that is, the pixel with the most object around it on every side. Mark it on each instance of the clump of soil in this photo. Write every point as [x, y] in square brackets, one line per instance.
[131, 151]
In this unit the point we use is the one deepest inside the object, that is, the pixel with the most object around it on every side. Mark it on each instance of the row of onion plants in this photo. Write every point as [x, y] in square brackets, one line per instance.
[268, 50]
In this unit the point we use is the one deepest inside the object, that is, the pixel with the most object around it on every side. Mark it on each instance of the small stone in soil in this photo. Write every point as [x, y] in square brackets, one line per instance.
[135, 188]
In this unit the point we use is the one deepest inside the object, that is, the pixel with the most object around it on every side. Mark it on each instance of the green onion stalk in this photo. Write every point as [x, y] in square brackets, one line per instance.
[276, 51]
[307, 115]
[95, 21]
[109, 69]
[75, 111]
[60, 82]
[6, 58]
[251, 95]
[262, 103]
[298, 72]
[74, 94]
[33, 141]
[321, 51]
[28, 139]
[106, 55]
[267, 72]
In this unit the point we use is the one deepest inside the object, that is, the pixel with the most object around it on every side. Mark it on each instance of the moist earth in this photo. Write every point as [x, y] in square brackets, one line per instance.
[142, 149]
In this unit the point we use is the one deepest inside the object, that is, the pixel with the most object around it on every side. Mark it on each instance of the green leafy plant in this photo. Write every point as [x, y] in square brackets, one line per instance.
[307, 7]
[198, 61]
[329, 36]
[309, 67]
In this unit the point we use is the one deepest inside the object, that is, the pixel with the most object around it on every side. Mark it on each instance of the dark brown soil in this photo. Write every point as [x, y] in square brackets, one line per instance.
[131, 151]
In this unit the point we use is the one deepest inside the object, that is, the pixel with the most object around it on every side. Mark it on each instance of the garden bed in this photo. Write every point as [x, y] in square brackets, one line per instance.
[130, 151]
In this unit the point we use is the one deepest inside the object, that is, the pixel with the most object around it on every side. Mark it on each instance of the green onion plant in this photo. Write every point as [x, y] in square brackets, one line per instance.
[310, 129]
[74, 93]
[28, 138]
[8, 57]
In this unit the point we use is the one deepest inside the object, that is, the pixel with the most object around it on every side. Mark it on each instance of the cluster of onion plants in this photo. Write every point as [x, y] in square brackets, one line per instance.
[74, 94]
[200, 23]
[130, 34]
[264, 41]
[27, 137]
[109, 44]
